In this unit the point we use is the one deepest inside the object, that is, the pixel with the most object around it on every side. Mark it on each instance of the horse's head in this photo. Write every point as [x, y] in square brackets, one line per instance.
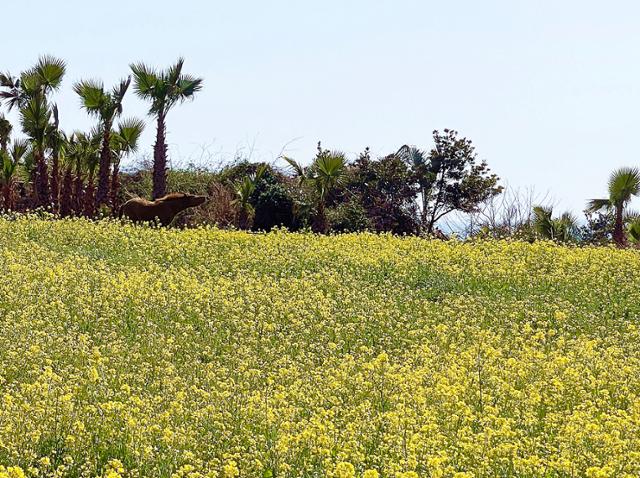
[194, 200]
[184, 200]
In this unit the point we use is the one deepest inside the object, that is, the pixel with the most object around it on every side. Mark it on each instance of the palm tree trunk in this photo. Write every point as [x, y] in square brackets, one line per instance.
[42, 181]
[66, 195]
[115, 187]
[618, 231]
[7, 195]
[89, 200]
[105, 166]
[320, 221]
[243, 218]
[160, 159]
[76, 199]
[55, 180]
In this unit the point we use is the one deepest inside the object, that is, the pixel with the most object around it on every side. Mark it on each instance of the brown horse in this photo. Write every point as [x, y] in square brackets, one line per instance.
[162, 211]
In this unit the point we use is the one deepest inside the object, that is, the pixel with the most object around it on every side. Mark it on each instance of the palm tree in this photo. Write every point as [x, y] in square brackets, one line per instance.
[56, 143]
[6, 179]
[244, 189]
[83, 155]
[623, 184]
[106, 106]
[5, 132]
[35, 118]
[327, 171]
[124, 142]
[29, 93]
[11, 160]
[563, 228]
[164, 89]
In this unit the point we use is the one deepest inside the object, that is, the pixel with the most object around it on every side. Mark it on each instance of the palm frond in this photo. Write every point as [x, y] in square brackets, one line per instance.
[633, 231]
[411, 155]
[92, 95]
[35, 117]
[14, 98]
[188, 86]
[624, 183]
[145, 80]
[128, 135]
[260, 171]
[295, 167]
[120, 90]
[9, 168]
[542, 221]
[49, 72]
[164, 88]
[331, 166]
[19, 149]
[5, 127]
[8, 81]
[173, 73]
[630, 215]
[595, 205]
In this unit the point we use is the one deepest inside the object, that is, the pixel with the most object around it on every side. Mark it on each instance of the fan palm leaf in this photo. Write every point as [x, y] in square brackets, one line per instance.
[48, 73]
[633, 231]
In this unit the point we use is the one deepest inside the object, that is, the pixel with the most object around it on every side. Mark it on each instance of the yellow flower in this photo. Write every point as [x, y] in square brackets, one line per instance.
[560, 316]
[344, 470]
[94, 376]
[11, 472]
[408, 474]
[230, 469]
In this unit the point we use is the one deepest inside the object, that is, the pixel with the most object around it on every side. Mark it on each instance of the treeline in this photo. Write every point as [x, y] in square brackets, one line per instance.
[406, 192]
[78, 173]
[409, 191]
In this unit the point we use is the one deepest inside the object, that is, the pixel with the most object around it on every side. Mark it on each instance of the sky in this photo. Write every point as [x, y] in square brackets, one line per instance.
[548, 91]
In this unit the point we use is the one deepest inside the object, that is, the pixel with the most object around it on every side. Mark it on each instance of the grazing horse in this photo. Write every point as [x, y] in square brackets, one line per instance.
[163, 210]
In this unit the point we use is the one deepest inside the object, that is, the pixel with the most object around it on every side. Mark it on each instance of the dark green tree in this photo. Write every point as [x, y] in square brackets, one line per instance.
[449, 178]
[385, 189]
[272, 202]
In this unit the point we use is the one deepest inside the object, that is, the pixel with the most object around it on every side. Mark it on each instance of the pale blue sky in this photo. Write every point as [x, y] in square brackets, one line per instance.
[549, 91]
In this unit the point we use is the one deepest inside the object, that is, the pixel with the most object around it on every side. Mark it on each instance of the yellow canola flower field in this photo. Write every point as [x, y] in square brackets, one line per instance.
[138, 352]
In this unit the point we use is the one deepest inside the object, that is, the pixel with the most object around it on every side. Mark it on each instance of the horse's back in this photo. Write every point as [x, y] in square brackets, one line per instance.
[137, 209]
